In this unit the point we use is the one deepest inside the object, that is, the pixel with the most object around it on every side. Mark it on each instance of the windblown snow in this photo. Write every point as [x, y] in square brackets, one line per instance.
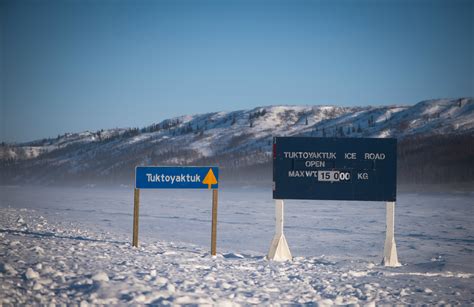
[72, 246]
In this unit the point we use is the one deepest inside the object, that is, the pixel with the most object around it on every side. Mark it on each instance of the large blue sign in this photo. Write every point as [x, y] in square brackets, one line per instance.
[188, 177]
[334, 168]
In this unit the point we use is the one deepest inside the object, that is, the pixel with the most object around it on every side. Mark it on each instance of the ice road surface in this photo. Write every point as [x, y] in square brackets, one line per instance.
[72, 245]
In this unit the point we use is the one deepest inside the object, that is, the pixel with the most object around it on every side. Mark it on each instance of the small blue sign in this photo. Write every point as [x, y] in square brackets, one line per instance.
[170, 177]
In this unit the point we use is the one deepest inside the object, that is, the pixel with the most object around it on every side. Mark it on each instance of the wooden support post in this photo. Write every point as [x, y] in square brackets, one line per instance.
[136, 206]
[214, 222]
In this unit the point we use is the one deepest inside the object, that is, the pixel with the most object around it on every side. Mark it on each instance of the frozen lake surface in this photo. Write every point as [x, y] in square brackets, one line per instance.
[73, 245]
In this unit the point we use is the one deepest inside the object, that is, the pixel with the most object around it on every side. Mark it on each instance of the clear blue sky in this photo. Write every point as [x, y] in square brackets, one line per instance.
[69, 65]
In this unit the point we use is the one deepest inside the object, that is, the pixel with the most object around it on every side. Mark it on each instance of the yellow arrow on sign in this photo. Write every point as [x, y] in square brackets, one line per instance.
[210, 179]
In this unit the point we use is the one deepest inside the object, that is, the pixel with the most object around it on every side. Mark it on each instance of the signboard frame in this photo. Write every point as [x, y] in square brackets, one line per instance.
[173, 179]
[210, 182]
[304, 168]
[332, 173]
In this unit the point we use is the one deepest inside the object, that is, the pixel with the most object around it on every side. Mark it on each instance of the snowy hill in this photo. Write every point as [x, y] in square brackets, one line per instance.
[230, 139]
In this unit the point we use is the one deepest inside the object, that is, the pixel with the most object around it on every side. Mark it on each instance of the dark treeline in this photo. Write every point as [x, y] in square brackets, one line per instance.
[421, 160]
[436, 159]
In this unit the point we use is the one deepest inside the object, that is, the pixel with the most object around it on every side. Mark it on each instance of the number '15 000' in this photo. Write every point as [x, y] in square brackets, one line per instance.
[332, 176]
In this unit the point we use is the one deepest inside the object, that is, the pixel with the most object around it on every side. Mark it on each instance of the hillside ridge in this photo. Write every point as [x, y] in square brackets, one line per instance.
[233, 139]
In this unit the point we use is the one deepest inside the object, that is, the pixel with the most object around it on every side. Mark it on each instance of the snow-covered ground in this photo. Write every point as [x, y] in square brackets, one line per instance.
[72, 245]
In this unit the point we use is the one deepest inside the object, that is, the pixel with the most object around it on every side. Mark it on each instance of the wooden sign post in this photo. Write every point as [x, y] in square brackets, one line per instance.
[136, 207]
[153, 177]
[214, 222]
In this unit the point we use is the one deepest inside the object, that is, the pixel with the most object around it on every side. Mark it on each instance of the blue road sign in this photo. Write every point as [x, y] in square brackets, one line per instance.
[334, 168]
[187, 177]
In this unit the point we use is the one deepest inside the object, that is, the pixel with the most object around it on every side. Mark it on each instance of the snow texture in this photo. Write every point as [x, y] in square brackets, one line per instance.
[72, 246]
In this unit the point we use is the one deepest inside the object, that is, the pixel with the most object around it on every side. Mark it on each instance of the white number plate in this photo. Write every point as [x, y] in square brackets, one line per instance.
[333, 176]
